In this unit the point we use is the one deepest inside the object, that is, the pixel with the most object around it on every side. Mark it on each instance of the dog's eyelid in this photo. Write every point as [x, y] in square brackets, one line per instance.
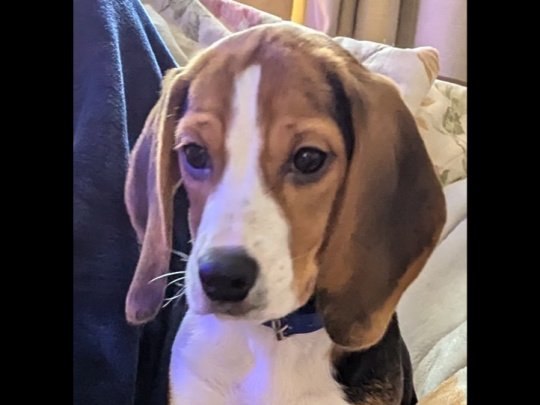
[181, 144]
[187, 136]
[310, 139]
[324, 147]
[184, 141]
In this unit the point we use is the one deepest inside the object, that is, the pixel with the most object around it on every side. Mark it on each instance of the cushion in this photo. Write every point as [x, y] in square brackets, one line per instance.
[414, 70]
[442, 121]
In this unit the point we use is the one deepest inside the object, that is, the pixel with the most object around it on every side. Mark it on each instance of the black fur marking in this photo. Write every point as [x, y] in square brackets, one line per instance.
[342, 112]
[383, 371]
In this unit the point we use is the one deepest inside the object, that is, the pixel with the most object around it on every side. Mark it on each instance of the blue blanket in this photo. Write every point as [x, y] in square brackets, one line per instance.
[118, 63]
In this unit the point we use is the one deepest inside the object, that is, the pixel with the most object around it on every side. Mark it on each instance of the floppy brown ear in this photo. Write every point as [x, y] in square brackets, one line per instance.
[152, 178]
[387, 219]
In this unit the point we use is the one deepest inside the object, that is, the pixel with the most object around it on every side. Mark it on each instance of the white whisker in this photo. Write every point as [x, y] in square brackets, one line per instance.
[169, 300]
[179, 294]
[183, 256]
[175, 280]
[166, 275]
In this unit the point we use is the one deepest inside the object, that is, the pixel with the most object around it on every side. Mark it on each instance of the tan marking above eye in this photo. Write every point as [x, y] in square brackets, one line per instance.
[201, 119]
[198, 123]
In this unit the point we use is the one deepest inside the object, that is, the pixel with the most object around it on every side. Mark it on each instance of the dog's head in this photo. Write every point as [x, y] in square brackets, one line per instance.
[305, 174]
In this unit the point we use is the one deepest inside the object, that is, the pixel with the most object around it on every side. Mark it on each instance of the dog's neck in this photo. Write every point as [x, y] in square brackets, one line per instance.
[304, 320]
[234, 362]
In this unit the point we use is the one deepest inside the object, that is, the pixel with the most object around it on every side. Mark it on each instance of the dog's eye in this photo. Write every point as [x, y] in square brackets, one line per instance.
[309, 160]
[196, 156]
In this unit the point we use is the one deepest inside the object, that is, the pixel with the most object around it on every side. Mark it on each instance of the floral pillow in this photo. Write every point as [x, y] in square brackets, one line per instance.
[442, 121]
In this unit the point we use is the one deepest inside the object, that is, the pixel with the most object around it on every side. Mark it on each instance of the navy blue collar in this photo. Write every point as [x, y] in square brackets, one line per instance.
[304, 320]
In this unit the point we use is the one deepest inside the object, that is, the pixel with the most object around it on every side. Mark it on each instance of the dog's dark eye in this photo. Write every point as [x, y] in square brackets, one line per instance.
[309, 160]
[196, 156]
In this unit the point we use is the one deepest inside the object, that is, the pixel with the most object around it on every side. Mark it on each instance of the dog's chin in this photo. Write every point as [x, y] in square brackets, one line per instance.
[240, 311]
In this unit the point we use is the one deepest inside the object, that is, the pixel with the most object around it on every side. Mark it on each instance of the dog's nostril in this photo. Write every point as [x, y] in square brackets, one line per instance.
[227, 274]
[238, 283]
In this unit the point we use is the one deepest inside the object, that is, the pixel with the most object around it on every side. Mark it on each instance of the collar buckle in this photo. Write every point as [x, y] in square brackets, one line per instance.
[279, 326]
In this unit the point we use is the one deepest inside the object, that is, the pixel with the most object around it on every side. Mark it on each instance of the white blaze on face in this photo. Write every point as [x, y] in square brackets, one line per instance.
[241, 213]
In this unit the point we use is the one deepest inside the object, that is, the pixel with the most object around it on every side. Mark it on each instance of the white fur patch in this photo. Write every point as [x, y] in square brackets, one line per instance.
[240, 363]
[241, 213]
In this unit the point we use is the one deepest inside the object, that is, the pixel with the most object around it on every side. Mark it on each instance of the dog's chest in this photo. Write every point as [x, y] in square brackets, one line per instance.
[234, 363]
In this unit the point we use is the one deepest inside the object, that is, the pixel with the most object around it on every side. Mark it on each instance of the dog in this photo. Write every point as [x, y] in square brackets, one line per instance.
[313, 205]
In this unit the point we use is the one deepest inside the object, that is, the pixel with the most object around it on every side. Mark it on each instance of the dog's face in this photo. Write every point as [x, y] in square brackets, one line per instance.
[305, 173]
[261, 159]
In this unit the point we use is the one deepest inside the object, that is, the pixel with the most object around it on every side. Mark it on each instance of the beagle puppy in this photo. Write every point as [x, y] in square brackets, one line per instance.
[313, 205]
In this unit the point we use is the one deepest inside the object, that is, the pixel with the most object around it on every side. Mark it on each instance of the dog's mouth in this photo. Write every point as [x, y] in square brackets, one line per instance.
[253, 308]
[237, 310]
[250, 308]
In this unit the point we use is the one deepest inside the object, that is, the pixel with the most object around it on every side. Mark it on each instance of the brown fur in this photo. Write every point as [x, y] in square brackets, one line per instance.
[151, 182]
[387, 219]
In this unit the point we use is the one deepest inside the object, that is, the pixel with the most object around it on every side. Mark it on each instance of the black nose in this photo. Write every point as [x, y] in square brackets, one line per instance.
[227, 274]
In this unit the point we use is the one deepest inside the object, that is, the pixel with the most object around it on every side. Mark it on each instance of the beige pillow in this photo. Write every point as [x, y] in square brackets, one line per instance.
[414, 70]
[440, 108]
